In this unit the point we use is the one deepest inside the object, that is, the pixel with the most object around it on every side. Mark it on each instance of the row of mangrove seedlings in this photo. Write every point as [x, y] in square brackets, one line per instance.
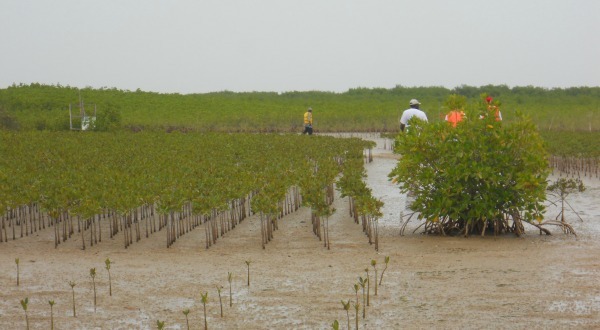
[101, 185]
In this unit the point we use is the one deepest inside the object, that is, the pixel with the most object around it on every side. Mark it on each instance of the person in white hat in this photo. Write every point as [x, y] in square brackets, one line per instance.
[411, 112]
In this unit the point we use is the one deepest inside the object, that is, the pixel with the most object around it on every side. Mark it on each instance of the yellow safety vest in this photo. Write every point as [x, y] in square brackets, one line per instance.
[308, 118]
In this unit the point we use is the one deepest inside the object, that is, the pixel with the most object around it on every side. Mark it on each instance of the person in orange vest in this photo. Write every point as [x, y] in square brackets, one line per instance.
[492, 108]
[455, 116]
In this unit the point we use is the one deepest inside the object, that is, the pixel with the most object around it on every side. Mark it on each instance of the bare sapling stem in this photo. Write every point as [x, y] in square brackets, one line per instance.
[204, 301]
[219, 288]
[93, 276]
[72, 284]
[248, 264]
[107, 262]
[368, 286]
[374, 264]
[17, 262]
[356, 287]
[230, 279]
[387, 261]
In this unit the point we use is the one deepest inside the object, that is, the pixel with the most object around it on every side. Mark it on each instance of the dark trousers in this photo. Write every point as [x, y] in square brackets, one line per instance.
[307, 129]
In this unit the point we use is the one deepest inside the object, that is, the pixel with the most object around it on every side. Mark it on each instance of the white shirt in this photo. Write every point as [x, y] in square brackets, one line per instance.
[409, 113]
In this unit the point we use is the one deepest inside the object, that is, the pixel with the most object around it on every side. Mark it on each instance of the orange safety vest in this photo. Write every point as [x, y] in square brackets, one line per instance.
[496, 112]
[454, 117]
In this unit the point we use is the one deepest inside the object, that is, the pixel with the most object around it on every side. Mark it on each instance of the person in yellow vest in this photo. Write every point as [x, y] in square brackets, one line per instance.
[308, 122]
[455, 116]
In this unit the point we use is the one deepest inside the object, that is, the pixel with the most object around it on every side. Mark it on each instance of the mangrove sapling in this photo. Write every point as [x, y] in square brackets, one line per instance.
[160, 325]
[374, 264]
[219, 288]
[72, 284]
[347, 309]
[17, 262]
[368, 286]
[230, 279]
[387, 261]
[93, 275]
[187, 322]
[335, 325]
[561, 189]
[204, 301]
[363, 282]
[356, 287]
[356, 309]
[248, 264]
[51, 302]
[24, 303]
[107, 262]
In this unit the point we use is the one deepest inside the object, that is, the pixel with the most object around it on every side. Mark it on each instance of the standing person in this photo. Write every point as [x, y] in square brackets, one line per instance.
[456, 103]
[411, 112]
[493, 107]
[308, 122]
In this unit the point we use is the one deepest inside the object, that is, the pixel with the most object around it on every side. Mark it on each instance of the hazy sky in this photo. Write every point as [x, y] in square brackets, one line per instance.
[198, 46]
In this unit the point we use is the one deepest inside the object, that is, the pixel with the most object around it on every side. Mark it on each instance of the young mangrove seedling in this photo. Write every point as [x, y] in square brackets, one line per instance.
[248, 264]
[93, 275]
[374, 264]
[219, 288]
[363, 283]
[160, 325]
[51, 302]
[356, 287]
[107, 262]
[187, 322]
[230, 279]
[347, 309]
[335, 325]
[24, 303]
[204, 301]
[72, 284]
[387, 261]
[368, 286]
[17, 262]
[356, 309]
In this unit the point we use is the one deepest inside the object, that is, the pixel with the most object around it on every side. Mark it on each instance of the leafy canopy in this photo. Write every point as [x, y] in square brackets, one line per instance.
[479, 171]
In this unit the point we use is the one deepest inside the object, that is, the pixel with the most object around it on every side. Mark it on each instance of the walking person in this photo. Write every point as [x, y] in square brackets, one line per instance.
[308, 122]
[412, 112]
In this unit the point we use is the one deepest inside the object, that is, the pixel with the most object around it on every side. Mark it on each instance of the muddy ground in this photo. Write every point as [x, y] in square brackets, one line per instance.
[296, 283]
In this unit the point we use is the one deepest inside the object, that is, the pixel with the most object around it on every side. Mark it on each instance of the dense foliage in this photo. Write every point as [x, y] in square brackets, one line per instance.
[580, 144]
[75, 174]
[45, 107]
[473, 177]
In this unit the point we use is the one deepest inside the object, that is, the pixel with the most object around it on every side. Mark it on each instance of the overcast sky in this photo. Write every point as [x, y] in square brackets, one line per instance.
[198, 46]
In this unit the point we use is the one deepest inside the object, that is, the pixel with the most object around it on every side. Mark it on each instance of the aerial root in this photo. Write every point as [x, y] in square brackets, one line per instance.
[509, 223]
[567, 228]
